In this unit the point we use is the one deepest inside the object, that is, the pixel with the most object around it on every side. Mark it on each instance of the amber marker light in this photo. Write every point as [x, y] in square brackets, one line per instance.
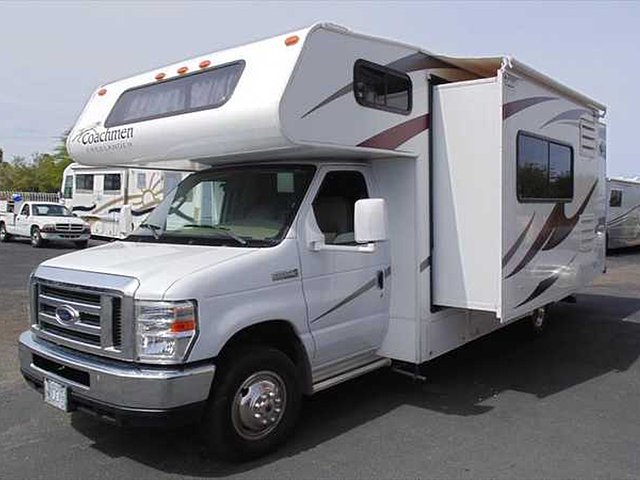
[182, 70]
[160, 76]
[291, 40]
[102, 91]
[183, 326]
[204, 63]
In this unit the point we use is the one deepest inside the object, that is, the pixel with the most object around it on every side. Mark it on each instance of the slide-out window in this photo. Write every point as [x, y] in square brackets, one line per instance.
[112, 182]
[84, 182]
[380, 87]
[615, 198]
[545, 169]
[189, 93]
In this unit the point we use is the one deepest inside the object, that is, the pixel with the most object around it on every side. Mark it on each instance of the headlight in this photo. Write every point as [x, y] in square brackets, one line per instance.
[165, 330]
[49, 227]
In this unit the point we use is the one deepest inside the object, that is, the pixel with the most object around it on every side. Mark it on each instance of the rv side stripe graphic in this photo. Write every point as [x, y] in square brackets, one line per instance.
[363, 289]
[518, 242]
[545, 284]
[620, 218]
[393, 137]
[410, 63]
[511, 108]
[557, 227]
[568, 115]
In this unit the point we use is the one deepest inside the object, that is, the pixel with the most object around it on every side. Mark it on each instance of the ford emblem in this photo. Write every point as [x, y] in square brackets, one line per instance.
[67, 315]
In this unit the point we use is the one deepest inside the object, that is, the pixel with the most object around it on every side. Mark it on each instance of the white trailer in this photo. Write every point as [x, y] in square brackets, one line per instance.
[358, 202]
[115, 200]
[623, 215]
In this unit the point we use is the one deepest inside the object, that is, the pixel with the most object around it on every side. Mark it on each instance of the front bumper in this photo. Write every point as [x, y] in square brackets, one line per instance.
[75, 237]
[126, 393]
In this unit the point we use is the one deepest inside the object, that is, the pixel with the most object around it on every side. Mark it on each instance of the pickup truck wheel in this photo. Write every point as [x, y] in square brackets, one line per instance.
[81, 243]
[4, 236]
[36, 239]
[254, 404]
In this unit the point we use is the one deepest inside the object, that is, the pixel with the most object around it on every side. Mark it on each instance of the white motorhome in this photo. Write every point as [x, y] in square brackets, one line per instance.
[623, 215]
[358, 202]
[114, 200]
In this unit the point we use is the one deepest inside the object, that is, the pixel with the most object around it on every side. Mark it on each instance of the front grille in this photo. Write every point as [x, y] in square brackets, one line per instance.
[95, 322]
[69, 227]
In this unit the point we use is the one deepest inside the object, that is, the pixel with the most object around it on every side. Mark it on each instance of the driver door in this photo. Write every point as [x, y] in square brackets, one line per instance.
[346, 290]
[22, 221]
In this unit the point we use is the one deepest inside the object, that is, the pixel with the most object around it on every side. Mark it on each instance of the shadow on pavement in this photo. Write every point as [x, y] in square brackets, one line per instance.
[596, 336]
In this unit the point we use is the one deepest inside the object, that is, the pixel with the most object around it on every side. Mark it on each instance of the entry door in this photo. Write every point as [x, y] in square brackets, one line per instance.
[346, 291]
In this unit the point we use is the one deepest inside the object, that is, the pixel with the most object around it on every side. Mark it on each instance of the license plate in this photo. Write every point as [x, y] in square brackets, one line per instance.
[56, 394]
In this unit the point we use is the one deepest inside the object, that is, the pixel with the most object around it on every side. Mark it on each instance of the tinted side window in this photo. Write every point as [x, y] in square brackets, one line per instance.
[380, 87]
[544, 169]
[615, 200]
[334, 205]
[560, 174]
[112, 182]
[84, 182]
[189, 93]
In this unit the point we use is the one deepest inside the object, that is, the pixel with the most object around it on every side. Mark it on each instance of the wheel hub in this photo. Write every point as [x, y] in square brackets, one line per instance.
[538, 318]
[259, 405]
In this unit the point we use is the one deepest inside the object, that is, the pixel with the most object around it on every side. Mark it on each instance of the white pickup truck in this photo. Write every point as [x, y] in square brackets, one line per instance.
[42, 222]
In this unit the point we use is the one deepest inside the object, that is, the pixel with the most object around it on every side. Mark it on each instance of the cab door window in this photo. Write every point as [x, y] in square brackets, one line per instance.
[334, 205]
[25, 211]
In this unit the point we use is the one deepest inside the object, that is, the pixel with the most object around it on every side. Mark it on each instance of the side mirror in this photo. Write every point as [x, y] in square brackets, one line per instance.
[371, 224]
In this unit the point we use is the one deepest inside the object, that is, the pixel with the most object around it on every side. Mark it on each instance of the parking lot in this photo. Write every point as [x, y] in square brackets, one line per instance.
[506, 406]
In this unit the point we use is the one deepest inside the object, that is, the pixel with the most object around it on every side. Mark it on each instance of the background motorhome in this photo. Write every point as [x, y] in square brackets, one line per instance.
[115, 200]
[623, 215]
[358, 202]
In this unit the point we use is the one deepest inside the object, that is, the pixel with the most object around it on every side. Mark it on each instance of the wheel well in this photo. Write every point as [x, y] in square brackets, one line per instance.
[278, 334]
[33, 227]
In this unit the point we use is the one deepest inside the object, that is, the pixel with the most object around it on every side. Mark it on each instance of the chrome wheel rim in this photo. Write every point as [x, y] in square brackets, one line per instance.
[259, 405]
[3, 232]
[35, 237]
[538, 318]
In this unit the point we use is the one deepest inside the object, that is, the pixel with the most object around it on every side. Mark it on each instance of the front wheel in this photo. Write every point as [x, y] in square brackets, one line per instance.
[36, 238]
[254, 404]
[81, 243]
[4, 236]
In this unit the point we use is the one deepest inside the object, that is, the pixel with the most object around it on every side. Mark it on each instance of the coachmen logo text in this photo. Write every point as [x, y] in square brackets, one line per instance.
[105, 140]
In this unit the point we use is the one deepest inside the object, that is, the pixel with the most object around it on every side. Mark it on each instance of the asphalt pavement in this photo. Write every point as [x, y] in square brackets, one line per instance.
[507, 406]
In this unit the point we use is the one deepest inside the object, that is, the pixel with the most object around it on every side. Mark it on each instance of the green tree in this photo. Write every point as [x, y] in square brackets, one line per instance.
[43, 173]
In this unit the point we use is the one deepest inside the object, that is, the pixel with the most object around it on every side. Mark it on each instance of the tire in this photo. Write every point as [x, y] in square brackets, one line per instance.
[36, 239]
[81, 243]
[4, 236]
[251, 382]
[538, 321]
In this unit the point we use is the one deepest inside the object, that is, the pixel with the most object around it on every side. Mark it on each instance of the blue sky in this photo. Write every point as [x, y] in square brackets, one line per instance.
[54, 54]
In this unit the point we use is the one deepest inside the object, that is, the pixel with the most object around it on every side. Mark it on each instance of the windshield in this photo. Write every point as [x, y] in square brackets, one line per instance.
[239, 206]
[46, 210]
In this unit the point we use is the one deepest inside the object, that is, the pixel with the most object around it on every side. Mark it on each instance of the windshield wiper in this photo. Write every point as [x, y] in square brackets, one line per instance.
[153, 228]
[218, 228]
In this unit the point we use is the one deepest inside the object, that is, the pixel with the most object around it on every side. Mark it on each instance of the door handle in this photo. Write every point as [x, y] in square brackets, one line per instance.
[380, 277]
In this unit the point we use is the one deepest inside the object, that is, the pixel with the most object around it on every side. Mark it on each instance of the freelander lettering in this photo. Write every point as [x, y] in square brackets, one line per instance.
[91, 136]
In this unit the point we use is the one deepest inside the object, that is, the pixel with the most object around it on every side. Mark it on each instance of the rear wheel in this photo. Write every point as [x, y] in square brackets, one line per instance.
[36, 238]
[538, 321]
[254, 404]
[4, 236]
